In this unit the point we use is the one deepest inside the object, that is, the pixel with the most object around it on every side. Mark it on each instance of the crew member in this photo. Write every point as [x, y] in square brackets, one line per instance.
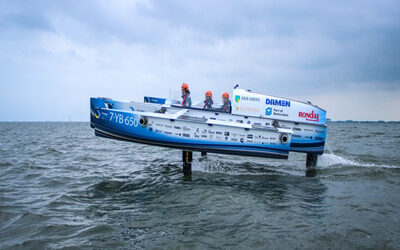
[208, 102]
[186, 100]
[226, 107]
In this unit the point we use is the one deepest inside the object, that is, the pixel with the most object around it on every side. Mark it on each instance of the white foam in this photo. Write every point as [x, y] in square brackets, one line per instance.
[328, 160]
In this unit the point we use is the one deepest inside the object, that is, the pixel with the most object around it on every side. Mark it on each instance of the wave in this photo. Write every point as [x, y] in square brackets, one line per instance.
[328, 160]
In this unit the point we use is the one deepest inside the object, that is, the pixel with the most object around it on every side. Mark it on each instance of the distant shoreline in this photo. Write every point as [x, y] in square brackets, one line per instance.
[328, 121]
[351, 121]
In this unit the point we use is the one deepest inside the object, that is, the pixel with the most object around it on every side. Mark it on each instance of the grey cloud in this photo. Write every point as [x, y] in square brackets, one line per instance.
[24, 21]
[291, 47]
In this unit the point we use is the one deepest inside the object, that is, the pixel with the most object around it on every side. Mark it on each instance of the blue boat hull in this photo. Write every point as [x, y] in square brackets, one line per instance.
[125, 125]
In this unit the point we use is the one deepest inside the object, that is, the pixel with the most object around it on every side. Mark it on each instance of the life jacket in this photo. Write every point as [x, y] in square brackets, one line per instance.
[185, 97]
[227, 106]
[208, 104]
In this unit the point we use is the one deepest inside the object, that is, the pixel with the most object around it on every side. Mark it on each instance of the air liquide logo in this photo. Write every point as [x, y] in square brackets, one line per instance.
[277, 102]
[309, 116]
[237, 98]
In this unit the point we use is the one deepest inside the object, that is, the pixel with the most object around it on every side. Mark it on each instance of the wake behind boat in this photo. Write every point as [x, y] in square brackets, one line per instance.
[258, 125]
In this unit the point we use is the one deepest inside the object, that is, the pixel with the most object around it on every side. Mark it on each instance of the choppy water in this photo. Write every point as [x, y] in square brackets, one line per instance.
[60, 187]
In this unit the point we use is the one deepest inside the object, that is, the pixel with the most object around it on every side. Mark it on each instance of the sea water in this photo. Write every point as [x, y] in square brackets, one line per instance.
[61, 186]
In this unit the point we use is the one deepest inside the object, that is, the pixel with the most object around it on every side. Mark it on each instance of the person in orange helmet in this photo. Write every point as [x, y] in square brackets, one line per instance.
[186, 100]
[208, 102]
[227, 106]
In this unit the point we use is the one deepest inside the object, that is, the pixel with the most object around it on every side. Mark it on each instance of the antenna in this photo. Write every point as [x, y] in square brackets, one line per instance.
[237, 85]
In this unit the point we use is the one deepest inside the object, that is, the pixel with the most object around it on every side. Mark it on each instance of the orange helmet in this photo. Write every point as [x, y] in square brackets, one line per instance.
[185, 86]
[208, 93]
[225, 95]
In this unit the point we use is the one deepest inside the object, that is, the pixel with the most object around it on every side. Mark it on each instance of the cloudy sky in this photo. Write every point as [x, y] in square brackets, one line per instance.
[342, 55]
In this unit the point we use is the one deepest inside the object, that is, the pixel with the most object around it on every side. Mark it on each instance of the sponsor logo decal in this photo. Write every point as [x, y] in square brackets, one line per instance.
[268, 111]
[248, 109]
[237, 98]
[277, 112]
[309, 116]
[277, 102]
[246, 98]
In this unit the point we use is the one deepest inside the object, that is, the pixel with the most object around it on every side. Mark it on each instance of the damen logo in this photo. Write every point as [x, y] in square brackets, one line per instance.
[277, 102]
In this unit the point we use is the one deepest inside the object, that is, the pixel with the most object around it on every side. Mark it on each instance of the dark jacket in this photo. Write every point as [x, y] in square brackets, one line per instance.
[227, 107]
[208, 104]
[187, 101]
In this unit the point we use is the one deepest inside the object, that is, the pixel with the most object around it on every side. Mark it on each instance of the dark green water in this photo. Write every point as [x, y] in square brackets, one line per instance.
[62, 187]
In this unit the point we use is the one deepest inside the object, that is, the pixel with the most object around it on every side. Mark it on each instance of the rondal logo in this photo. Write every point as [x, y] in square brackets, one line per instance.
[309, 116]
